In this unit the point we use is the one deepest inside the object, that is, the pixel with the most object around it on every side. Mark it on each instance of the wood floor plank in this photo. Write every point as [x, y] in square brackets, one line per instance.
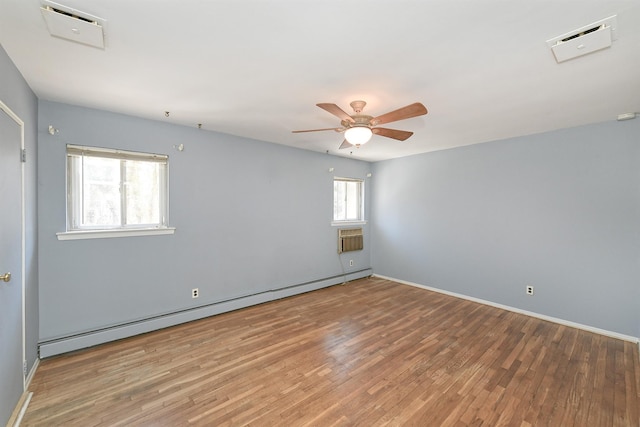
[368, 353]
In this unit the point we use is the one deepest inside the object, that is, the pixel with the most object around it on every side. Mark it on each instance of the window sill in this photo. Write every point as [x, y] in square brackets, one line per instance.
[106, 234]
[347, 223]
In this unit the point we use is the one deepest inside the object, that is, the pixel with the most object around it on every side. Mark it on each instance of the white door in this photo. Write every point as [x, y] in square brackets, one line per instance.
[11, 260]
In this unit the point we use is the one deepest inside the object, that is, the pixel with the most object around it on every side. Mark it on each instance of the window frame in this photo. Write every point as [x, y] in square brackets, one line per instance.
[74, 187]
[361, 208]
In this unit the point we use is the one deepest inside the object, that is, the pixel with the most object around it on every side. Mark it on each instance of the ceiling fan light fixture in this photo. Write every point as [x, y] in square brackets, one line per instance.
[358, 135]
[359, 128]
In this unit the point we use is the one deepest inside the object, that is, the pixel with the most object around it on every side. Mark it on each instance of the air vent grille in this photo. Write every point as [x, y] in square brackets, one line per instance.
[583, 33]
[71, 15]
[69, 24]
[584, 40]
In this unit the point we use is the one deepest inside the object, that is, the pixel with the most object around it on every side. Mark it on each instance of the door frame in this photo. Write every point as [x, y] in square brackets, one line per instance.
[23, 239]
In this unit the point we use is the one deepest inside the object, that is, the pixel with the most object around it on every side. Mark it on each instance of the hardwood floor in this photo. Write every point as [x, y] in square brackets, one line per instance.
[369, 353]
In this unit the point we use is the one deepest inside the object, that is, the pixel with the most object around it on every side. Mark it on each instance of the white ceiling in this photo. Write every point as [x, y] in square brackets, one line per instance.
[257, 68]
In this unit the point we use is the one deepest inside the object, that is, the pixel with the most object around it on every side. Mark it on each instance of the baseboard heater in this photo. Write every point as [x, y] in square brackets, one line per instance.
[53, 347]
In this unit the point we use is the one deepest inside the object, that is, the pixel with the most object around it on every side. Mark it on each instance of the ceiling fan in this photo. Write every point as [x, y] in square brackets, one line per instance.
[358, 128]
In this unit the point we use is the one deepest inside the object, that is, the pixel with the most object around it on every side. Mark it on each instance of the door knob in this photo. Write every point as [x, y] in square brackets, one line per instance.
[5, 277]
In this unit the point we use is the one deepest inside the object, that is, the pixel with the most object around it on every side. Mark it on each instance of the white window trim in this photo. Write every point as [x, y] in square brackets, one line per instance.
[349, 222]
[106, 234]
[102, 233]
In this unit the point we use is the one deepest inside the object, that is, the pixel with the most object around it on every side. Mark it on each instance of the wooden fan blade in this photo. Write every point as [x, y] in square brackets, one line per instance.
[317, 130]
[336, 111]
[400, 135]
[413, 110]
[345, 144]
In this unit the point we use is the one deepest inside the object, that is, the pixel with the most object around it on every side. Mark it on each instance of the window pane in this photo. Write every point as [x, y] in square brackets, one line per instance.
[100, 192]
[339, 200]
[353, 200]
[142, 187]
[347, 200]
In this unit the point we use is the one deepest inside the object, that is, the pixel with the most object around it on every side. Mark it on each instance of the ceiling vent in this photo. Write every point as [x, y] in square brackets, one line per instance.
[71, 24]
[582, 41]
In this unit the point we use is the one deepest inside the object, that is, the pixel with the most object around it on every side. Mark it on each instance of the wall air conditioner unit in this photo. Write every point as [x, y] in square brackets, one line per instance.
[350, 239]
[584, 40]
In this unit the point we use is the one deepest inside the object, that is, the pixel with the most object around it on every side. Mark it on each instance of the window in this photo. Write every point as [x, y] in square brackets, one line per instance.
[348, 200]
[115, 190]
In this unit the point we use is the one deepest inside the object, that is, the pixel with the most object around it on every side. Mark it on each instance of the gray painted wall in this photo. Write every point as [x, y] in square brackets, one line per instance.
[559, 211]
[17, 95]
[250, 216]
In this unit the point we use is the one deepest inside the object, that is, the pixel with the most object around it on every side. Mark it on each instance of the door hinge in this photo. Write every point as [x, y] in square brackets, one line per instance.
[23, 155]
[24, 367]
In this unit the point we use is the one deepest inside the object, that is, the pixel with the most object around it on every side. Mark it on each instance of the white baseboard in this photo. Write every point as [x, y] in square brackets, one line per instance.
[520, 311]
[20, 410]
[23, 403]
[23, 409]
[32, 372]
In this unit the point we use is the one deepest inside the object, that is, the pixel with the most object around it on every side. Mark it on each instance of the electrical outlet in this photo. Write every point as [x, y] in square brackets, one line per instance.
[529, 290]
[350, 263]
[195, 293]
